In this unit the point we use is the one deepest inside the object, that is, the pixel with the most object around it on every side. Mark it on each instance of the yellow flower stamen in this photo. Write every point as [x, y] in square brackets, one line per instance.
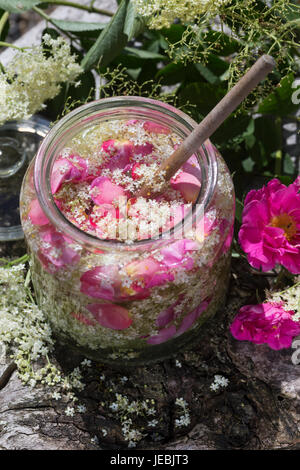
[287, 223]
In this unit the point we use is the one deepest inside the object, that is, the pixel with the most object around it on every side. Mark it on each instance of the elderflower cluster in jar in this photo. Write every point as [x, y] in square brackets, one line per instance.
[127, 278]
[34, 76]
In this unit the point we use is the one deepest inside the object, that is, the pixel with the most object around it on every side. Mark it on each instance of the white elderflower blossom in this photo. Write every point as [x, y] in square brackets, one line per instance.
[81, 408]
[184, 419]
[26, 337]
[162, 13]
[33, 77]
[69, 411]
[153, 423]
[219, 382]
[288, 298]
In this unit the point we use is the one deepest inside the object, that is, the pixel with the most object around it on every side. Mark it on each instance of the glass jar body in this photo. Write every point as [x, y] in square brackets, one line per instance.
[136, 303]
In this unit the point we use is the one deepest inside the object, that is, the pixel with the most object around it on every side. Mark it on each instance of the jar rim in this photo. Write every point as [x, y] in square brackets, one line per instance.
[46, 154]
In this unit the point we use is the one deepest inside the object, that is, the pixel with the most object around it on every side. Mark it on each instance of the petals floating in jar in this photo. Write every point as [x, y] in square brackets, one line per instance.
[36, 215]
[103, 191]
[110, 316]
[73, 168]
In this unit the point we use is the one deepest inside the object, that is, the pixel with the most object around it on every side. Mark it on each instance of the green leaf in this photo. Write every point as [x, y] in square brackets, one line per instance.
[206, 73]
[18, 6]
[239, 206]
[280, 102]
[217, 65]
[78, 26]
[174, 33]
[5, 29]
[288, 165]
[134, 73]
[144, 54]
[232, 127]
[112, 39]
[172, 73]
[248, 164]
[134, 23]
[224, 44]
[204, 95]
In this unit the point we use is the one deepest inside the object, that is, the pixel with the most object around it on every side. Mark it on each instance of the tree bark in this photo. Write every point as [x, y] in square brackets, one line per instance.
[259, 409]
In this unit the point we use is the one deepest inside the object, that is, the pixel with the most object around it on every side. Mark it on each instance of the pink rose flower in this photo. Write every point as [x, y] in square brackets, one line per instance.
[265, 323]
[270, 231]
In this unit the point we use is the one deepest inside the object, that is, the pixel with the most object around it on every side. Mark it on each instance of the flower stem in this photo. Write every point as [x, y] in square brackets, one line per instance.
[278, 160]
[7, 44]
[22, 259]
[89, 8]
[281, 275]
[49, 19]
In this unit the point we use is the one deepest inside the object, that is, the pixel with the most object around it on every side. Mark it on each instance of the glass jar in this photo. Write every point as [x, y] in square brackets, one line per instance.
[119, 302]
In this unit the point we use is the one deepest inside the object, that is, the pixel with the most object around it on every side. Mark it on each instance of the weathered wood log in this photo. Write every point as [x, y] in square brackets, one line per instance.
[259, 409]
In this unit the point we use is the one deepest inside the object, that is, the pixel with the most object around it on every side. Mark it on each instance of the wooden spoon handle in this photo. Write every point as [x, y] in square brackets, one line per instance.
[214, 119]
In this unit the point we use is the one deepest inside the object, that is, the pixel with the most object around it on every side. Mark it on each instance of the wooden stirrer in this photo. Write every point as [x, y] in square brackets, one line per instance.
[212, 121]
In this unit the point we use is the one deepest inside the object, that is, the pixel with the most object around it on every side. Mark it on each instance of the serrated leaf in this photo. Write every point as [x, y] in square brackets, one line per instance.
[78, 26]
[18, 6]
[112, 39]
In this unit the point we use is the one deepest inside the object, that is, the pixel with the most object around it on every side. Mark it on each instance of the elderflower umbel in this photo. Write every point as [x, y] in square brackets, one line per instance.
[288, 298]
[184, 419]
[162, 13]
[219, 382]
[33, 77]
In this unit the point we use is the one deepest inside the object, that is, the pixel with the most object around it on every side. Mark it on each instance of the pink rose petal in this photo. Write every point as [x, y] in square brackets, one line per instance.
[119, 153]
[163, 336]
[187, 184]
[151, 126]
[36, 215]
[110, 316]
[103, 191]
[66, 169]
